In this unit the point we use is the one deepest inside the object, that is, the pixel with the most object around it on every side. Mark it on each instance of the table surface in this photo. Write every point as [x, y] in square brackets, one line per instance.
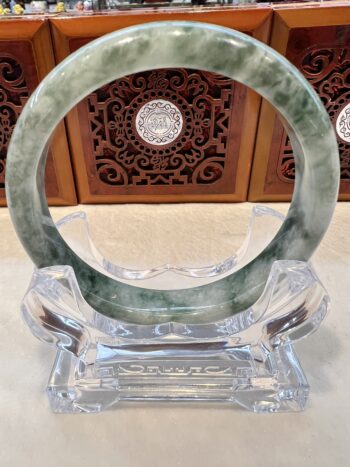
[174, 435]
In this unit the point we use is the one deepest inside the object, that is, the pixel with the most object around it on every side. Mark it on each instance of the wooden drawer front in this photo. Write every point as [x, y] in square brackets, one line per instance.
[322, 54]
[201, 160]
[208, 159]
[19, 76]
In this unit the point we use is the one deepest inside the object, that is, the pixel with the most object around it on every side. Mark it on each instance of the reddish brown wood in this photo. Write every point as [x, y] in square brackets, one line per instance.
[25, 58]
[18, 76]
[316, 39]
[209, 161]
[202, 160]
[322, 54]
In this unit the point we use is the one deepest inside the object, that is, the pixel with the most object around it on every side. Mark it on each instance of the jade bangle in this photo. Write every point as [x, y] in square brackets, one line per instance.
[173, 45]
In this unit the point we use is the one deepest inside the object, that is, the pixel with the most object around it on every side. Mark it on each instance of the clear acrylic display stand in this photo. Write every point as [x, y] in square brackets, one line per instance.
[247, 359]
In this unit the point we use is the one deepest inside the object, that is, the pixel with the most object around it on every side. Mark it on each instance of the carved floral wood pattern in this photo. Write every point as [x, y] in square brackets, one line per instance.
[328, 70]
[196, 157]
[201, 160]
[13, 95]
[17, 78]
[323, 56]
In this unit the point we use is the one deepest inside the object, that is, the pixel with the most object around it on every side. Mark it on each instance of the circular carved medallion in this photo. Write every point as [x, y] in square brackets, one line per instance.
[343, 124]
[159, 122]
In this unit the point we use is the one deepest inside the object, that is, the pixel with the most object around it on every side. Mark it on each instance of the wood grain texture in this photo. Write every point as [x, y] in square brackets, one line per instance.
[26, 49]
[70, 33]
[306, 36]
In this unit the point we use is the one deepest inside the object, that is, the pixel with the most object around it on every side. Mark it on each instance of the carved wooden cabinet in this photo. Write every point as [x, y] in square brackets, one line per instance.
[26, 56]
[208, 127]
[317, 41]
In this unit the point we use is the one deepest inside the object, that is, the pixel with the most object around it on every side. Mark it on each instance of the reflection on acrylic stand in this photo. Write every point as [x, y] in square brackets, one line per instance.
[247, 359]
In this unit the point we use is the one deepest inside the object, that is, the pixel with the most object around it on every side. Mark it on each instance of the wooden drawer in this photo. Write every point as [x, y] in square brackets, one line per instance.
[317, 41]
[26, 56]
[113, 163]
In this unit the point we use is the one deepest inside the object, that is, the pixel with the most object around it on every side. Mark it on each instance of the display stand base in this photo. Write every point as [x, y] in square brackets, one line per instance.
[246, 359]
[234, 376]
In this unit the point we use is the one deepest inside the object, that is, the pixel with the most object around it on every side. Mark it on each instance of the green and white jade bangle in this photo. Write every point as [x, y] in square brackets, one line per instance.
[169, 45]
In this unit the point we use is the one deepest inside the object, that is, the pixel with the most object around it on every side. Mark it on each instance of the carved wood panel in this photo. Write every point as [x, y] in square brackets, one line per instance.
[322, 54]
[18, 77]
[199, 158]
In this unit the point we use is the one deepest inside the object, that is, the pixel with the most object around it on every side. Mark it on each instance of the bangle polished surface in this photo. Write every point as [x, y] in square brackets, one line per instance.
[175, 45]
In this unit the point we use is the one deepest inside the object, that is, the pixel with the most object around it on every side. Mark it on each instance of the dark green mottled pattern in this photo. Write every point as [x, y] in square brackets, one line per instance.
[188, 45]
